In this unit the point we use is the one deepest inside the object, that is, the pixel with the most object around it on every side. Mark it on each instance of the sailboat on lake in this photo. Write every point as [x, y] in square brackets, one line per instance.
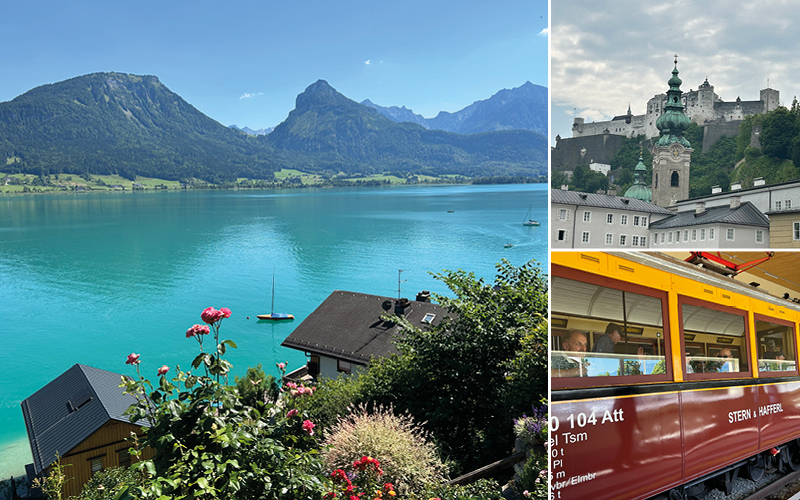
[272, 314]
[527, 221]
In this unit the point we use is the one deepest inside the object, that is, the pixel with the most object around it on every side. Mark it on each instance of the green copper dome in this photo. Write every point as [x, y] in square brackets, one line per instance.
[639, 190]
[673, 123]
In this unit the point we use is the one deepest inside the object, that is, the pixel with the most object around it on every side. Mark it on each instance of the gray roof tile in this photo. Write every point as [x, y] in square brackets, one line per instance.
[745, 214]
[605, 201]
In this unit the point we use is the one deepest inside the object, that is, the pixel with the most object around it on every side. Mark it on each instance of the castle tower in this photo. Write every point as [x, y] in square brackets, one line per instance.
[771, 99]
[672, 152]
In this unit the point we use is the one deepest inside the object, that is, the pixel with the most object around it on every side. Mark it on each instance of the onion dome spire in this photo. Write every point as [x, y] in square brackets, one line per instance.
[639, 190]
[673, 123]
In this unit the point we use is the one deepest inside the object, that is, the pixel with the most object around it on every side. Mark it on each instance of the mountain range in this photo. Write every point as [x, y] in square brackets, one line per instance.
[106, 123]
[520, 108]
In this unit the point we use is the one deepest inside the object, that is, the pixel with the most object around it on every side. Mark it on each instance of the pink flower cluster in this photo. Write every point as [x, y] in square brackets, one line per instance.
[163, 370]
[211, 315]
[197, 330]
[292, 413]
[299, 390]
[308, 426]
[133, 359]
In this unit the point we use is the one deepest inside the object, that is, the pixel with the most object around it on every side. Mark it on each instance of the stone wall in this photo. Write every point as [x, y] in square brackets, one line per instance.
[571, 152]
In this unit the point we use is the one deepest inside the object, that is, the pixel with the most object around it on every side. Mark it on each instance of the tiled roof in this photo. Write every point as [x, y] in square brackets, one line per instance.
[605, 201]
[63, 413]
[348, 326]
[745, 214]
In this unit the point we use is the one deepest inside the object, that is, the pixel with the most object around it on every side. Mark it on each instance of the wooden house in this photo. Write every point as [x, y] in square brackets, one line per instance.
[347, 330]
[79, 416]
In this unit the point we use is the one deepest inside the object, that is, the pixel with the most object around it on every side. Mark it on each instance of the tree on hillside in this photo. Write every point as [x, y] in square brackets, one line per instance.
[779, 128]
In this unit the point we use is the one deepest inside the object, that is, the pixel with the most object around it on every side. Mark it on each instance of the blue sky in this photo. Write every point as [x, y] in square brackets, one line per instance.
[244, 63]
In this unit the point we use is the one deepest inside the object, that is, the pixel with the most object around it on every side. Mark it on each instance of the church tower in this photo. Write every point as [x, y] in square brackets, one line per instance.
[639, 190]
[672, 152]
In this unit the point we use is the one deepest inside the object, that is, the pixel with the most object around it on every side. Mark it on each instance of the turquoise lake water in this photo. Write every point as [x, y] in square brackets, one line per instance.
[91, 278]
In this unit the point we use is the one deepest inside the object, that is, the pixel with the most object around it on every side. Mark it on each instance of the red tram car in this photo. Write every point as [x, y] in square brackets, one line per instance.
[666, 378]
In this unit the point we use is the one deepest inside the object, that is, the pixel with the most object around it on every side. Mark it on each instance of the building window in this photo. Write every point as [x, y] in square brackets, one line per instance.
[609, 239]
[587, 216]
[702, 234]
[635, 220]
[669, 237]
[623, 220]
[124, 458]
[585, 237]
[796, 231]
[729, 234]
[788, 204]
[97, 464]
[694, 234]
[644, 221]
[685, 235]
[759, 236]
[643, 241]
[562, 235]
[634, 241]
[343, 366]
[609, 218]
[777, 205]
[563, 214]
[428, 318]
[675, 180]
[710, 233]
[663, 237]
[622, 240]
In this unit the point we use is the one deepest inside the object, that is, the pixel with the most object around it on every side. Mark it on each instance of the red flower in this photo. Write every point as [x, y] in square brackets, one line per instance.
[226, 313]
[198, 330]
[330, 494]
[133, 359]
[211, 315]
[388, 486]
[308, 426]
[163, 370]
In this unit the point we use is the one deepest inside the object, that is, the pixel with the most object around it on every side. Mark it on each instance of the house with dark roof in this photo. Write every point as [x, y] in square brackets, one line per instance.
[79, 416]
[736, 225]
[591, 220]
[348, 329]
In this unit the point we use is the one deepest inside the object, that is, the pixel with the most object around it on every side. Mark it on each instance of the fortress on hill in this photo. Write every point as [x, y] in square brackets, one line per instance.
[702, 106]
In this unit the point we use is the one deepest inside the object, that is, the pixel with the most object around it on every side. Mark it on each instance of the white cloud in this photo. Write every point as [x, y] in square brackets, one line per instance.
[544, 32]
[248, 95]
[367, 62]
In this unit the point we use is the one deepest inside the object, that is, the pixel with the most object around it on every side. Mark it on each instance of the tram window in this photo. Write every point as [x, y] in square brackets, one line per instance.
[776, 347]
[715, 344]
[606, 333]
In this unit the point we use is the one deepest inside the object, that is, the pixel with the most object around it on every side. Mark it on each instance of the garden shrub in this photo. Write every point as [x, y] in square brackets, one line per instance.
[407, 458]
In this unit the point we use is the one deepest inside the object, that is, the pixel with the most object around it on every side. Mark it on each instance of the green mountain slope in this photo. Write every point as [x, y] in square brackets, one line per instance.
[107, 123]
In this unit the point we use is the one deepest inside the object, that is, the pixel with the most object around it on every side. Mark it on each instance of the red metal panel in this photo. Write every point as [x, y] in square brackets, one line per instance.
[779, 413]
[720, 426]
[604, 448]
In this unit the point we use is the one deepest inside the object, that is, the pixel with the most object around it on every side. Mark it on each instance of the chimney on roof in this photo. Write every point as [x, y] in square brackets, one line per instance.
[400, 307]
[736, 202]
[716, 189]
[699, 208]
[759, 181]
[424, 296]
[736, 186]
[565, 187]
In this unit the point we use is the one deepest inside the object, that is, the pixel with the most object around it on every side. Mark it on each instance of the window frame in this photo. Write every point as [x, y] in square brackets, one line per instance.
[593, 279]
[689, 377]
[587, 216]
[730, 234]
[784, 322]
[585, 237]
[759, 236]
[609, 218]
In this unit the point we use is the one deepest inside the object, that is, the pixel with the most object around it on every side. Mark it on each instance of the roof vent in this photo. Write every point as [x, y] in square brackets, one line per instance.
[736, 186]
[716, 189]
[400, 307]
[424, 296]
[759, 181]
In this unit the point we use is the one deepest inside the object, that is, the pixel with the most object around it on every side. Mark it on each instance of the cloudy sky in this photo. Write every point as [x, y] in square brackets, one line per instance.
[609, 53]
[244, 62]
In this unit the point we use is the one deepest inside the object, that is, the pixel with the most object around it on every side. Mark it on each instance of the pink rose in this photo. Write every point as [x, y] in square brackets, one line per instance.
[198, 330]
[291, 385]
[292, 413]
[133, 359]
[163, 370]
[281, 366]
[211, 315]
[226, 313]
[308, 426]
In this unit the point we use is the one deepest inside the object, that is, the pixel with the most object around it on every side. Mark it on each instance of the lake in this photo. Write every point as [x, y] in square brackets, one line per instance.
[91, 278]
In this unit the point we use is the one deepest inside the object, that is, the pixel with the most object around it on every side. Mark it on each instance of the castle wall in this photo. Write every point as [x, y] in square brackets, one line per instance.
[571, 152]
[714, 131]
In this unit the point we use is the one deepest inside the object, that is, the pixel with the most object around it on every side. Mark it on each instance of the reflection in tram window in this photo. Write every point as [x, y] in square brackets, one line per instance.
[714, 339]
[599, 331]
[776, 349]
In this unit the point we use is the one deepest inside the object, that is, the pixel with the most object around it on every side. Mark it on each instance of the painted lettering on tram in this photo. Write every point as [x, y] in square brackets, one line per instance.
[747, 414]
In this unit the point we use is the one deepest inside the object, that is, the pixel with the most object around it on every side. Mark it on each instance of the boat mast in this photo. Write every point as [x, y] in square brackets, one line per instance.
[272, 307]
